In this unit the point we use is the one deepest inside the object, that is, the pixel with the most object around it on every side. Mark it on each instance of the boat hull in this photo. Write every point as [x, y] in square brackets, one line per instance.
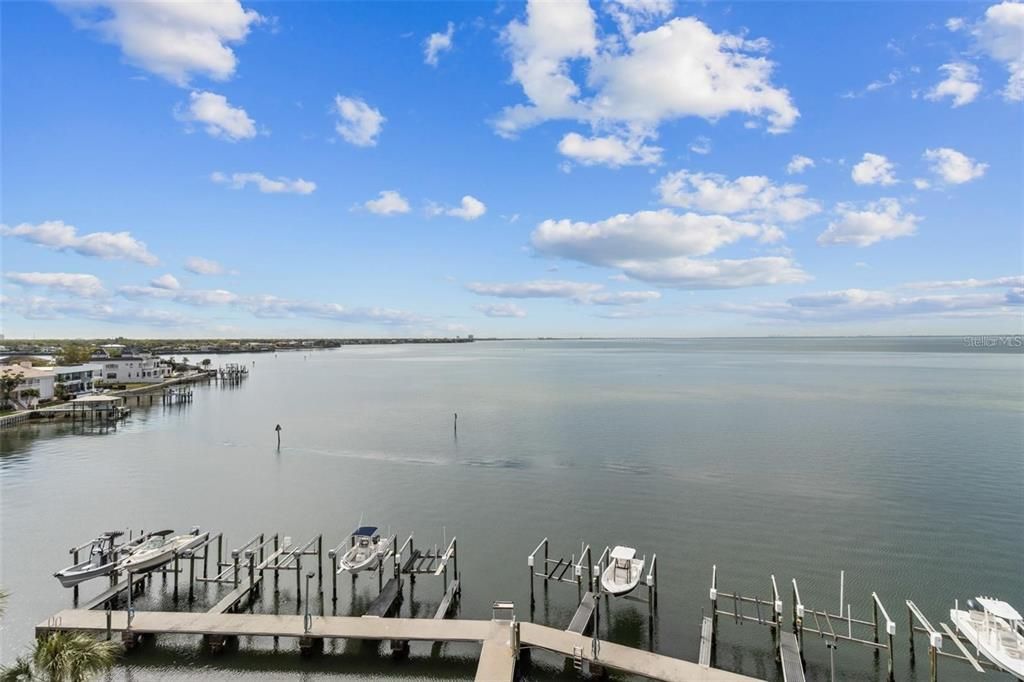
[615, 584]
[78, 574]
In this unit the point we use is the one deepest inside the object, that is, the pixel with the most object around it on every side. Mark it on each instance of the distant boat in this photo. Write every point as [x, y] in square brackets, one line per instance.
[103, 554]
[996, 630]
[158, 549]
[366, 550]
[623, 573]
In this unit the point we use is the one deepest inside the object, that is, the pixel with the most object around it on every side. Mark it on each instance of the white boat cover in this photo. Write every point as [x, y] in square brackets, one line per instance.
[999, 608]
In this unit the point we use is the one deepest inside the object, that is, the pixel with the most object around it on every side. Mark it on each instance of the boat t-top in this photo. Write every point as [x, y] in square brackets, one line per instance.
[996, 630]
[158, 549]
[623, 572]
[366, 550]
[103, 554]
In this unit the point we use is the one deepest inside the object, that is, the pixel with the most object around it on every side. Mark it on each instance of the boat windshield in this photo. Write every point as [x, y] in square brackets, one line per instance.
[152, 543]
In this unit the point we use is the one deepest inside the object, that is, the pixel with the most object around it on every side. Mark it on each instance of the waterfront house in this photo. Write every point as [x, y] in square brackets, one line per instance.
[39, 379]
[78, 378]
[120, 365]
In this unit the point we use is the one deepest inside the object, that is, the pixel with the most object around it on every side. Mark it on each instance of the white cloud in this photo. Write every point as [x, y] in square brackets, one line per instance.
[358, 122]
[203, 266]
[58, 236]
[752, 197]
[541, 288]
[609, 150]
[624, 297]
[168, 281]
[500, 310]
[683, 272]
[1009, 281]
[192, 297]
[855, 304]
[658, 247]
[388, 202]
[1001, 35]
[954, 167]
[437, 43]
[701, 145]
[42, 308]
[635, 81]
[266, 185]
[74, 284]
[891, 79]
[219, 118]
[798, 164]
[869, 224]
[470, 208]
[874, 169]
[172, 39]
[267, 306]
[633, 14]
[962, 84]
[921, 183]
[955, 24]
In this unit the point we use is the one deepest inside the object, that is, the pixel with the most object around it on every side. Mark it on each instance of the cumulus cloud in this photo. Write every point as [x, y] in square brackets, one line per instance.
[955, 168]
[218, 118]
[174, 40]
[168, 281]
[388, 202]
[43, 308]
[874, 169]
[868, 224]
[635, 80]
[193, 297]
[798, 164]
[961, 83]
[659, 247]
[955, 24]
[436, 43]
[500, 310]
[56, 235]
[470, 208]
[701, 145]
[921, 183]
[1000, 34]
[358, 123]
[280, 185]
[752, 197]
[203, 266]
[73, 284]
[268, 306]
[609, 150]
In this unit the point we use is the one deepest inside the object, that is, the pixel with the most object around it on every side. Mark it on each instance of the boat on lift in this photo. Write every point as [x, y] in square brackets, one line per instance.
[996, 630]
[158, 549]
[366, 550]
[103, 557]
[623, 572]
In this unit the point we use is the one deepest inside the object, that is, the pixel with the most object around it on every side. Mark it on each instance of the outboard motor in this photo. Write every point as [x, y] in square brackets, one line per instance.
[973, 606]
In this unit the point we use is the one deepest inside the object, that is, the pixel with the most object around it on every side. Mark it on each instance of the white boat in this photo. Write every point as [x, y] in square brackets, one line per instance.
[157, 550]
[996, 630]
[623, 572]
[366, 550]
[103, 554]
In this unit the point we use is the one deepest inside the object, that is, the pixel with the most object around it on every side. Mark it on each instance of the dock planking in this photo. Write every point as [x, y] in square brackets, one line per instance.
[789, 652]
[581, 620]
[447, 601]
[113, 591]
[497, 662]
[385, 601]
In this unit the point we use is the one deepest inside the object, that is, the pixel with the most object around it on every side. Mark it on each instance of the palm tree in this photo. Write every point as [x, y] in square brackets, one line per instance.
[63, 657]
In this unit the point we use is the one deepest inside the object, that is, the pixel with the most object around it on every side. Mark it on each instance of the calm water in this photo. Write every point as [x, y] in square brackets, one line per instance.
[899, 461]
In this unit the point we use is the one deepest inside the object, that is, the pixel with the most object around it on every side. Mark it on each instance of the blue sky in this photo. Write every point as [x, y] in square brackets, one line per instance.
[628, 168]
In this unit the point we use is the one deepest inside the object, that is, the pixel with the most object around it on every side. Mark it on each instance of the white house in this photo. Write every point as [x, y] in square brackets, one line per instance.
[40, 379]
[121, 367]
[77, 378]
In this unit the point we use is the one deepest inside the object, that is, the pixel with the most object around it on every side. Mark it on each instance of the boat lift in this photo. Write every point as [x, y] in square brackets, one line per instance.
[935, 651]
[789, 646]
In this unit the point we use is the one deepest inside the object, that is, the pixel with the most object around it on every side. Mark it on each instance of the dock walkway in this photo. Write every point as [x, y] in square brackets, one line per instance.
[789, 652]
[497, 659]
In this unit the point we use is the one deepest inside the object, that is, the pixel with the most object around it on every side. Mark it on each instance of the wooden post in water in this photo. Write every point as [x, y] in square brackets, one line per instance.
[278, 429]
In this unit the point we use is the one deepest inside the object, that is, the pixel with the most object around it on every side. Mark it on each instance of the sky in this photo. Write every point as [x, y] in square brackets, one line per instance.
[622, 168]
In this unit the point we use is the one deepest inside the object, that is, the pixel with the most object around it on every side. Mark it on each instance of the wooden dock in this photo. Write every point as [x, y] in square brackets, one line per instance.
[580, 623]
[387, 599]
[498, 657]
[450, 595]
